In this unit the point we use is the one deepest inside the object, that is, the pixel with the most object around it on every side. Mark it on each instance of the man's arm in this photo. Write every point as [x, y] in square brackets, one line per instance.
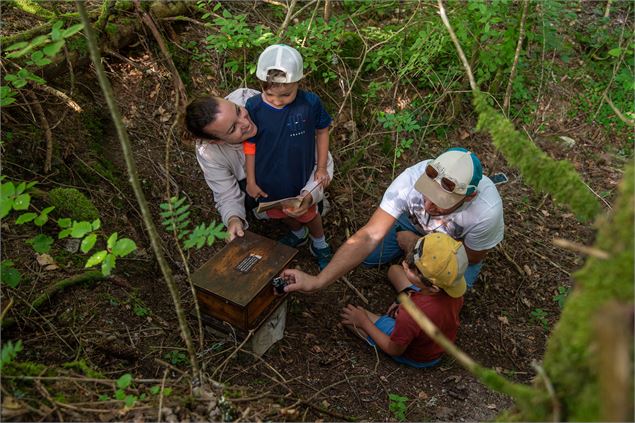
[473, 256]
[347, 257]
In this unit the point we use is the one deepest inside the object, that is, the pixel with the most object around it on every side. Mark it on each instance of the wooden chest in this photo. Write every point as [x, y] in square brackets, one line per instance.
[235, 284]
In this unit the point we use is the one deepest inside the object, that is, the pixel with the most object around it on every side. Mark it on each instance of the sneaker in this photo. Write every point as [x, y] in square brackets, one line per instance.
[293, 241]
[323, 255]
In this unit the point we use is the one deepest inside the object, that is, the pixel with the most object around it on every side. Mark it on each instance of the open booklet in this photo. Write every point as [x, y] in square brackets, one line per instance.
[285, 203]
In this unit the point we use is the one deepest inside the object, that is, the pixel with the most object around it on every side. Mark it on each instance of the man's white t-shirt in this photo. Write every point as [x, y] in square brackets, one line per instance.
[478, 223]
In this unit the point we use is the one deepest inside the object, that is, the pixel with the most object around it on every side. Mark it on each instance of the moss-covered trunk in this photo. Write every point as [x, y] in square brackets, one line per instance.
[573, 359]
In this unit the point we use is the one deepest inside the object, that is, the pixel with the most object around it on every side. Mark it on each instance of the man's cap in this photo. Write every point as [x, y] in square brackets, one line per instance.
[280, 57]
[458, 165]
[443, 261]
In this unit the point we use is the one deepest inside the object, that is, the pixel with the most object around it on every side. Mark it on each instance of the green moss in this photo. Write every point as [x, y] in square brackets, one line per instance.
[84, 368]
[570, 359]
[71, 203]
[23, 368]
[78, 44]
[111, 28]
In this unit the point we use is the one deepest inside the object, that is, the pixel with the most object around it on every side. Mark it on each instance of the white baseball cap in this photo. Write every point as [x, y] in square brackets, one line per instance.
[458, 169]
[280, 57]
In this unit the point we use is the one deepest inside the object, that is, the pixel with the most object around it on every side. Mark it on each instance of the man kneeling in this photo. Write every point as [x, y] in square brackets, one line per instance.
[432, 275]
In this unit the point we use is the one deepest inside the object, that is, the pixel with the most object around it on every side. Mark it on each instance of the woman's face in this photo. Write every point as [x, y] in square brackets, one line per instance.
[232, 125]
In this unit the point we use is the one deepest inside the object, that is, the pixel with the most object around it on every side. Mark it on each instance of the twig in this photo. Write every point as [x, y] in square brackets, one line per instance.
[69, 101]
[308, 30]
[287, 18]
[6, 309]
[459, 50]
[555, 404]
[619, 114]
[160, 411]
[136, 185]
[355, 290]
[48, 135]
[512, 74]
[507, 256]
[249, 335]
[327, 10]
[574, 246]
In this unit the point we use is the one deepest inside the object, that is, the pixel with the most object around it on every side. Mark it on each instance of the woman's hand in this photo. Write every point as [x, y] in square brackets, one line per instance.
[235, 228]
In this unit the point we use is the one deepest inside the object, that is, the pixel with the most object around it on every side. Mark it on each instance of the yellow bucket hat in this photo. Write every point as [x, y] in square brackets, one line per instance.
[442, 260]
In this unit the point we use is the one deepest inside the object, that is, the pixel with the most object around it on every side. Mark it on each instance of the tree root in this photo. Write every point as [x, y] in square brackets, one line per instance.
[91, 276]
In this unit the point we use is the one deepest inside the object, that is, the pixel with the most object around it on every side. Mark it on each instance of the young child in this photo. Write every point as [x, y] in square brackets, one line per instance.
[292, 130]
[432, 275]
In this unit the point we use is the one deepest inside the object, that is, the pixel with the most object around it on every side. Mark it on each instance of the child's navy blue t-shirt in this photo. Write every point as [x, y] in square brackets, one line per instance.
[285, 143]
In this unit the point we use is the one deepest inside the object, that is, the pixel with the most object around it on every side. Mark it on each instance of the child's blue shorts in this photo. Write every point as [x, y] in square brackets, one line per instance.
[386, 324]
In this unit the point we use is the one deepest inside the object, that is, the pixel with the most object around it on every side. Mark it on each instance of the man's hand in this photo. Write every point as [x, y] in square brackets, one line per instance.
[321, 175]
[234, 228]
[354, 316]
[407, 240]
[299, 281]
[307, 201]
[255, 192]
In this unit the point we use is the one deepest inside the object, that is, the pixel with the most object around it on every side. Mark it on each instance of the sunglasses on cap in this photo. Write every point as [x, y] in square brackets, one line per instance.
[448, 184]
[418, 250]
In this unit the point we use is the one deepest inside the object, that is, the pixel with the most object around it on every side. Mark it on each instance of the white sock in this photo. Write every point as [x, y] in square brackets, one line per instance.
[319, 242]
[301, 233]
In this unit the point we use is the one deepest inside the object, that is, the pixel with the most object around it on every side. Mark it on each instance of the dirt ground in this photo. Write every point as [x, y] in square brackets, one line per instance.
[318, 371]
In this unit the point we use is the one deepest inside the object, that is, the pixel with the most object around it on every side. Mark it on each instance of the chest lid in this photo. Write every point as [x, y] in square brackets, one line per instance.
[239, 271]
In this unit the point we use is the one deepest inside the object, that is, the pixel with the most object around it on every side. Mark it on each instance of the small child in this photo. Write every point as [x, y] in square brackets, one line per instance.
[432, 275]
[292, 130]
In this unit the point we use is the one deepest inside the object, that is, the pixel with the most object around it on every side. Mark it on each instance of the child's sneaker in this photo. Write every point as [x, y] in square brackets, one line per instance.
[323, 255]
[292, 240]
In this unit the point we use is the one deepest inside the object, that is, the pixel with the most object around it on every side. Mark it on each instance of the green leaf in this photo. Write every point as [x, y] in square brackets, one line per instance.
[123, 247]
[5, 207]
[615, 52]
[103, 398]
[112, 240]
[41, 220]
[88, 243]
[155, 389]
[47, 210]
[8, 275]
[20, 188]
[96, 258]
[64, 222]
[9, 352]
[120, 394]
[96, 224]
[130, 400]
[108, 265]
[22, 202]
[52, 49]
[41, 243]
[167, 392]
[26, 217]
[17, 46]
[65, 233]
[124, 381]
[7, 190]
[56, 31]
[5, 101]
[72, 30]
[80, 229]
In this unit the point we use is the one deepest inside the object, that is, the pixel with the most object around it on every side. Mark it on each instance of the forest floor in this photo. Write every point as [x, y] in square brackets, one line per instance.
[318, 371]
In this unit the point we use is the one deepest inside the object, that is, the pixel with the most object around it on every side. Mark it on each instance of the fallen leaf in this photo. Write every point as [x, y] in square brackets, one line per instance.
[383, 378]
[527, 270]
[45, 259]
[526, 302]
[422, 395]
[503, 319]
[491, 406]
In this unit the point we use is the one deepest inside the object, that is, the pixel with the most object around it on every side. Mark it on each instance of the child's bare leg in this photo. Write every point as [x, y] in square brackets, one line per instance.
[293, 224]
[360, 332]
[398, 278]
[315, 227]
